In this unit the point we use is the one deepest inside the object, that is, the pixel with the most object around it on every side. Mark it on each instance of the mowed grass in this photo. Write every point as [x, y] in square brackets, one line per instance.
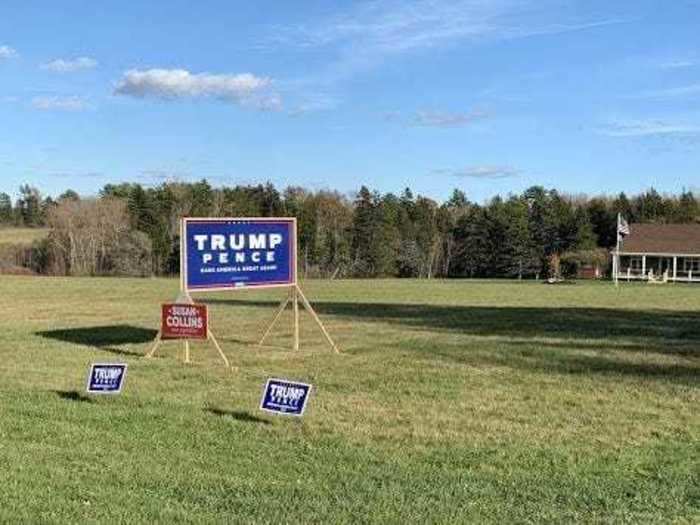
[460, 401]
[21, 236]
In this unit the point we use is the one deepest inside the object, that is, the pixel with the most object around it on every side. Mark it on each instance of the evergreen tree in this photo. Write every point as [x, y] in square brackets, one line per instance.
[650, 207]
[543, 225]
[623, 206]
[141, 210]
[29, 206]
[458, 199]
[363, 233]
[603, 222]
[6, 212]
[472, 244]
[202, 199]
[585, 237]
[688, 210]
[69, 195]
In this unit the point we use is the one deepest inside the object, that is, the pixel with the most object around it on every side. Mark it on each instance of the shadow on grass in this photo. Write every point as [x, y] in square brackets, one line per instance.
[570, 340]
[651, 330]
[238, 415]
[106, 338]
[73, 395]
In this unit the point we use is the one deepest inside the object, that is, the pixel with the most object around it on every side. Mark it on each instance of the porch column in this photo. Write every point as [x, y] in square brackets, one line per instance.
[644, 266]
[675, 266]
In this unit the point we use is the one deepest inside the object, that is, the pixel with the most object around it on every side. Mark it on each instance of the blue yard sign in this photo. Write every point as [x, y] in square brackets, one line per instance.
[224, 254]
[285, 397]
[106, 378]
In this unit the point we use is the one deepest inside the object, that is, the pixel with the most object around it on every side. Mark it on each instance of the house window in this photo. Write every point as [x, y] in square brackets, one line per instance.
[691, 265]
[636, 264]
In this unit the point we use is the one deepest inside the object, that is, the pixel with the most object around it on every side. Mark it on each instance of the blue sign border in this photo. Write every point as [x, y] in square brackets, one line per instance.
[282, 413]
[290, 222]
[106, 392]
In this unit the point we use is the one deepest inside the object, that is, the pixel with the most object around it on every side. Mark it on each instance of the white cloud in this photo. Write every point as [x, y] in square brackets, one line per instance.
[265, 102]
[312, 103]
[675, 92]
[61, 65]
[369, 33]
[482, 172]
[646, 128]
[165, 175]
[77, 174]
[60, 103]
[678, 63]
[399, 26]
[244, 88]
[442, 119]
[435, 119]
[7, 52]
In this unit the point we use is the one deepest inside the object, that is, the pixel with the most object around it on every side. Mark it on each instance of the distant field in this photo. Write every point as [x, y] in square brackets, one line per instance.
[21, 235]
[456, 401]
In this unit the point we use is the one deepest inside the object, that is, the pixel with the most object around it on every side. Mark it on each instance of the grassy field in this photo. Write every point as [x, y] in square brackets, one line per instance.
[462, 401]
[21, 235]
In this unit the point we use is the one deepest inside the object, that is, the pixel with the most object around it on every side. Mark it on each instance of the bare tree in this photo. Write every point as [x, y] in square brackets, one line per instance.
[86, 235]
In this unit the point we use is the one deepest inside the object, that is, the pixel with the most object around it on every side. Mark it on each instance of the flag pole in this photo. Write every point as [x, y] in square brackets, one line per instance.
[616, 260]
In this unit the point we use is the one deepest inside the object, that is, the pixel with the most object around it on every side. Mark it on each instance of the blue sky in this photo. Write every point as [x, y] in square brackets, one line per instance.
[489, 96]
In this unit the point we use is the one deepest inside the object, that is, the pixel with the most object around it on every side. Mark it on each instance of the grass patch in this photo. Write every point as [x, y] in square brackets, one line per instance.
[21, 236]
[453, 401]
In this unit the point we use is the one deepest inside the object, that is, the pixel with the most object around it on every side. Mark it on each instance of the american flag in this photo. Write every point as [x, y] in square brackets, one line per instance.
[622, 227]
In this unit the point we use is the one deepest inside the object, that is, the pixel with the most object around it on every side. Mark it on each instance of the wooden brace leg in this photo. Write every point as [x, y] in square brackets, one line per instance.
[282, 306]
[210, 334]
[310, 309]
[156, 344]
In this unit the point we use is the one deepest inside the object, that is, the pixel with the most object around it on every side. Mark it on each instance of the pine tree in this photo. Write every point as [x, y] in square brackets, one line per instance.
[29, 206]
[688, 210]
[603, 221]
[363, 225]
[6, 214]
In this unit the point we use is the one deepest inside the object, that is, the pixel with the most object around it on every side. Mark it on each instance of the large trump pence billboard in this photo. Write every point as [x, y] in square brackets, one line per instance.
[223, 254]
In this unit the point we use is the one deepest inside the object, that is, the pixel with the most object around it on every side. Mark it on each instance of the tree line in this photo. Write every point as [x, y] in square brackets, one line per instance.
[129, 229]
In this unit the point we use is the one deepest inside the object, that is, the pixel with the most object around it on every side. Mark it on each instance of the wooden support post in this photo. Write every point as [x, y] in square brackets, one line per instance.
[295, 293]
[675, 268]
[156, 344]
[281, 308]
[187, 351]
[211, 337]
[310, 309]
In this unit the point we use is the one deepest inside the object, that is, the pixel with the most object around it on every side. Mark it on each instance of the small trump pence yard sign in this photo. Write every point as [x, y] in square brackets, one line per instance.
[184, 321]
[106, 378]
[225, 254]
[285, 397]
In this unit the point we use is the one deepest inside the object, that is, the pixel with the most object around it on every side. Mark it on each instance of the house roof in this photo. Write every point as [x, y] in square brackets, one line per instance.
[678, 239]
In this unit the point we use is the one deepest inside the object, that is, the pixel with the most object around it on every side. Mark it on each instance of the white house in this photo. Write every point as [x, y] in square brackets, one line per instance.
[656, 252]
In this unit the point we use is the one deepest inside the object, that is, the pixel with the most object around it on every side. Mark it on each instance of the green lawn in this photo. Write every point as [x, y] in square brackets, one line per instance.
[461, 401]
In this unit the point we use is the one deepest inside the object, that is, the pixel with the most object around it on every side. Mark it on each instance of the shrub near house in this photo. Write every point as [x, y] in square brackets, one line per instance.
[585, 264]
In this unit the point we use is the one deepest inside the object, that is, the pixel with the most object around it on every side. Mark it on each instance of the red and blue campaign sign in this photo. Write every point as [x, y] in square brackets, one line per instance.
[285, 397]
[106, 378]
[184, 321]
[223, 254]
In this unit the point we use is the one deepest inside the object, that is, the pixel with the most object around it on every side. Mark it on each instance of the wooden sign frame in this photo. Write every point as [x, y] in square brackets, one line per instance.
[294, 296]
